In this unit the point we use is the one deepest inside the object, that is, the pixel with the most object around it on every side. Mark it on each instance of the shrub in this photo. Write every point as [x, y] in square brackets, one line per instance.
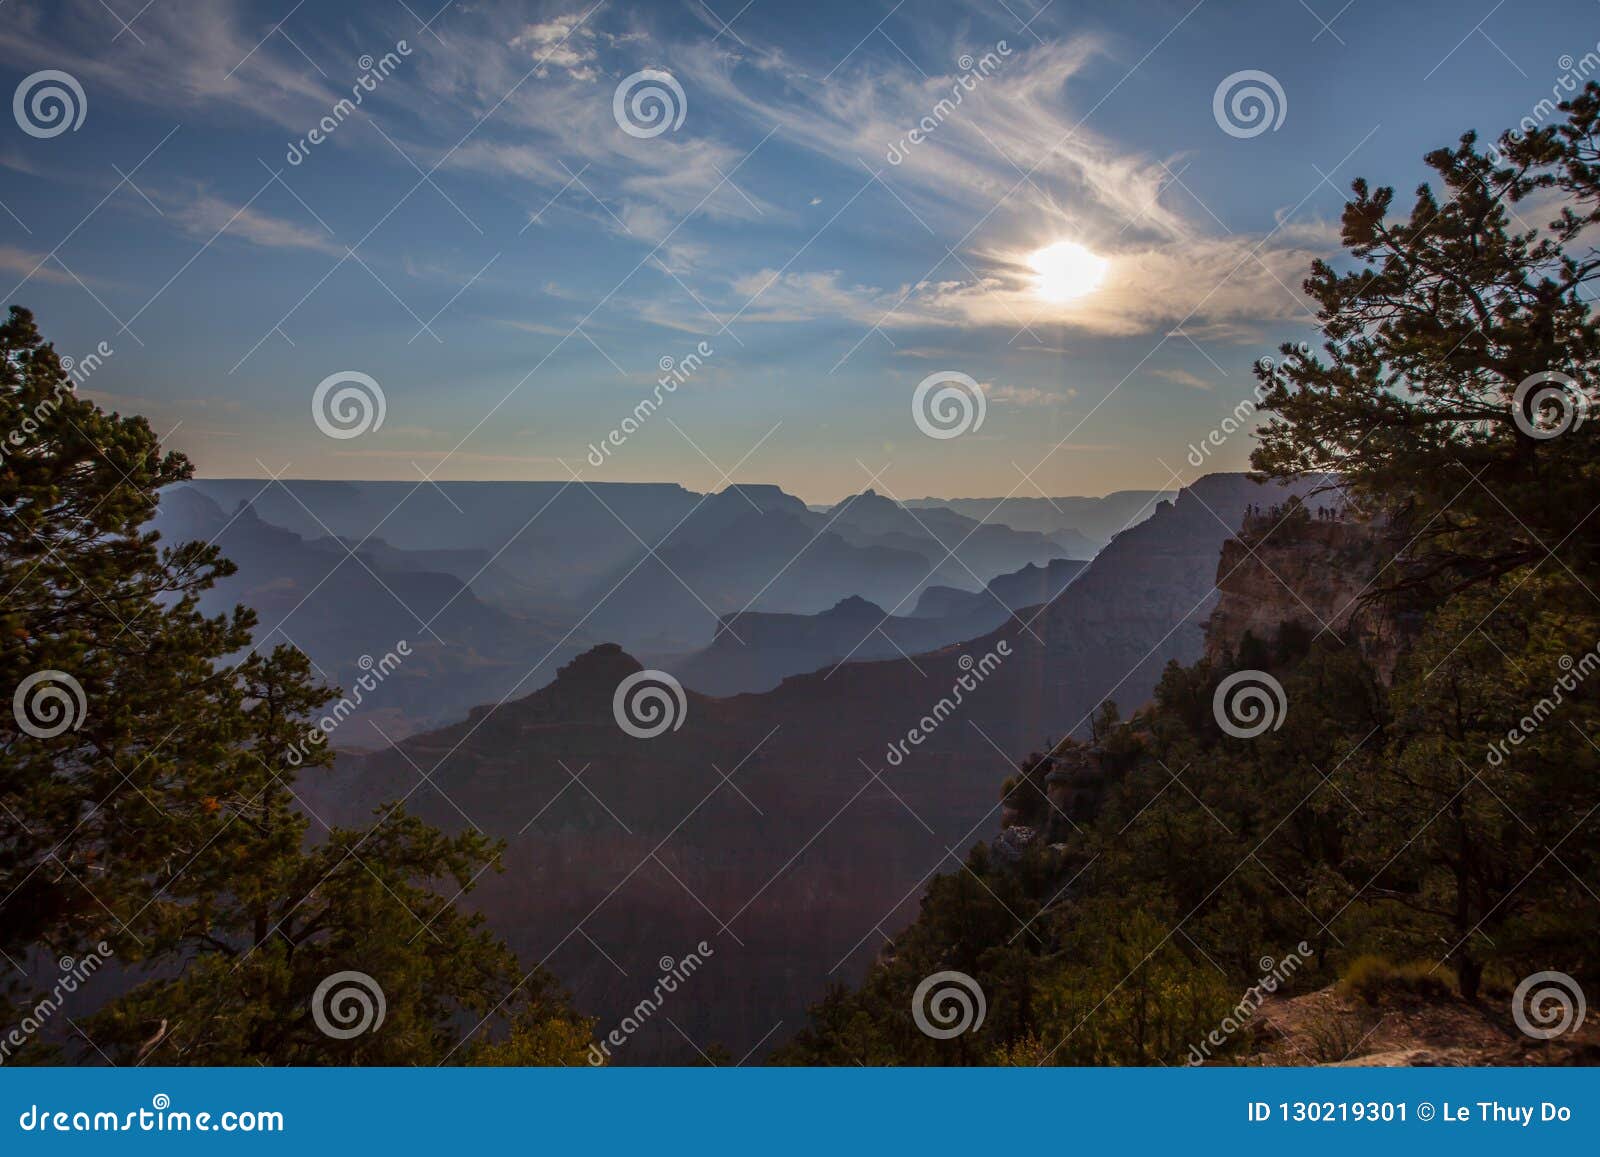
[1374, 979]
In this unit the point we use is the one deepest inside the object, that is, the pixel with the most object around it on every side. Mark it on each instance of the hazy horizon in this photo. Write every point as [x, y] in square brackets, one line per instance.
[808, 498]
[1056, 205]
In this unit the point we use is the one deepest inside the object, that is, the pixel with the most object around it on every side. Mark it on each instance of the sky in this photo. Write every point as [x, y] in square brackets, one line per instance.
[539, 213]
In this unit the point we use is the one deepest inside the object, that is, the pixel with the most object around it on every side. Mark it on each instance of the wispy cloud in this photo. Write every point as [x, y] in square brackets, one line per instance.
[206, 214]
[23, 263]
[1026, 395]
[1183, 378]
[209, 63]
[1004, 162]
[1009, 159]
[563, 43]
[1224, 286]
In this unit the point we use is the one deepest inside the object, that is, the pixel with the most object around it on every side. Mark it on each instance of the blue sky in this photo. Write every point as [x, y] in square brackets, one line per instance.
[482, 239]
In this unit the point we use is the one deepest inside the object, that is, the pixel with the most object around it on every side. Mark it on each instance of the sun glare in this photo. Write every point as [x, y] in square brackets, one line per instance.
[1067, 270]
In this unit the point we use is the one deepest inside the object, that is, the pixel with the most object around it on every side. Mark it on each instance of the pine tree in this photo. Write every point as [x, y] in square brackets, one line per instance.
[1453, 397]
[1454, 349]
[148, 802]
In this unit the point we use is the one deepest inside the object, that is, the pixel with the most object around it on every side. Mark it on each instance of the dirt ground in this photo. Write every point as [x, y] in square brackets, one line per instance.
[1329, 1028]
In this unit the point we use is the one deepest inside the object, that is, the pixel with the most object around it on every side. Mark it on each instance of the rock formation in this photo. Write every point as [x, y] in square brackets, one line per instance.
[1316, 567]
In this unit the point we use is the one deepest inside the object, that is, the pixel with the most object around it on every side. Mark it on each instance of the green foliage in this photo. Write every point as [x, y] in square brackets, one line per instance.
[1482, 840]
[1447, 310]
[1146, 929]
[89, 595]
[1444, 816]
[1377, 979]
[1335, 1034]
[542, 1036]
[166, 823]
[1134, 998]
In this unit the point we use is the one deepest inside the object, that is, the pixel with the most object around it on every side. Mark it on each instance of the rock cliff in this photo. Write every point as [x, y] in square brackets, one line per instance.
[1316, 567]
[789, 826]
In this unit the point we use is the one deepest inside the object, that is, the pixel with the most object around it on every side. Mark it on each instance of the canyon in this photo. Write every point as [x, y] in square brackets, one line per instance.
[774, 825]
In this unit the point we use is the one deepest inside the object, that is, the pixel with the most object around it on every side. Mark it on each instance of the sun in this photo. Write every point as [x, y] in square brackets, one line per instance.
[1067, 270]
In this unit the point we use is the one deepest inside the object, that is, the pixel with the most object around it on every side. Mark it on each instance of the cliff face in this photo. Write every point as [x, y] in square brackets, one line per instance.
[777, 824]
[1318, 573]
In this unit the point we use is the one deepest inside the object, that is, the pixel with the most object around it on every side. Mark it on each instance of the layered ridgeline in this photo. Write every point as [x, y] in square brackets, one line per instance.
[786, 829]
[476, 592]
[365, 610]
[1098, 519]
[754, 651]
[652, 566]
